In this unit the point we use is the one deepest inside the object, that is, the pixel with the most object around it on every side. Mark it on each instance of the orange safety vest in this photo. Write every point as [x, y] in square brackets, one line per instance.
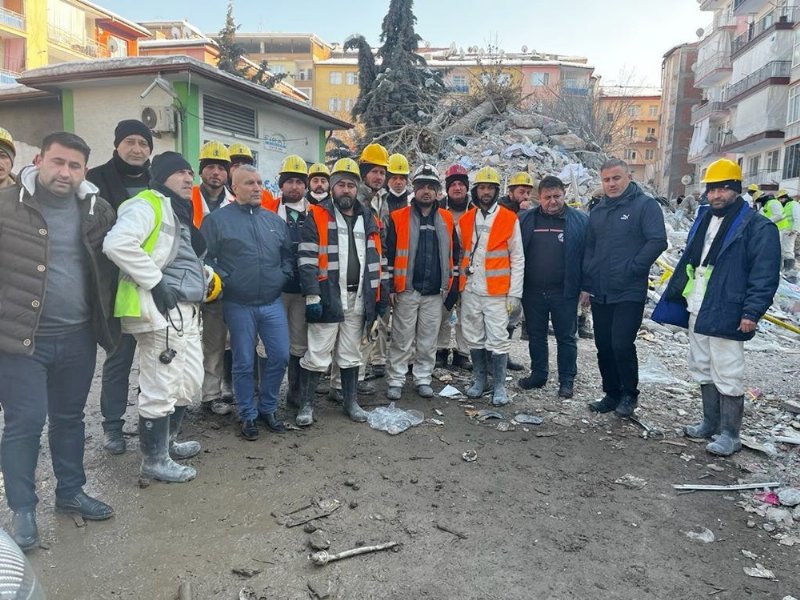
[198, 203]
[498, 258]
[269, 202]
[402, 227]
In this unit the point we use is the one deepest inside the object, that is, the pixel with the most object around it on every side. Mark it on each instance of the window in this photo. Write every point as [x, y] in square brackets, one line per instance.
[651, 132]
[540, 79]
[630, 154]
[334, 104]
[459, 84]
[230, 117]
[649, 154]
[791, 162]
[277, 69]
[352, 78]
[348, 104]
[308, 92]
[653, 110]
[772, 161]
[499, 78]
[752, 165]
[304, 74]
[634, 111]
[796, 50]
[609, 116]
[631, 132]
[117, 47]
[793, 114]
[336, 78]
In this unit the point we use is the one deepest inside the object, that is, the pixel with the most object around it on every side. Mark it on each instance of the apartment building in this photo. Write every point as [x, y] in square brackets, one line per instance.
[634, 135]
[791, 151]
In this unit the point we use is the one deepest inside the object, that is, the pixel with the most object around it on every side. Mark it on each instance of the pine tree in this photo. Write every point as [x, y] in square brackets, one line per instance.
[403, 89]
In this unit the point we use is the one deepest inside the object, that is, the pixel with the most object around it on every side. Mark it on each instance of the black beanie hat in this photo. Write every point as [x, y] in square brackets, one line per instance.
[165, 164]
[204, 162]
[132, 127]
[365, 168]
[284, 177]
[731, 184]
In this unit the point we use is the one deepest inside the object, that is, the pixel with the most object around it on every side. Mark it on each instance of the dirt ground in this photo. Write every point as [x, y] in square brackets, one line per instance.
[538, 515]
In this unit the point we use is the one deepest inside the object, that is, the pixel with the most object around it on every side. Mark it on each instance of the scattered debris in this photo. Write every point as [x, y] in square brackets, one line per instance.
[317, 510]
[789, 497]
[505, 426]
[319, 540]
[470, 456]
[706, 536]
[631, 481]
[724, 488]
[323, 557]
[525, 419]
[770, 498]
[245, 572]
[247, 593]
[394, 420]
[759, 571]
[749, 554]
[448, 529]
[449, 391]
[687, 457]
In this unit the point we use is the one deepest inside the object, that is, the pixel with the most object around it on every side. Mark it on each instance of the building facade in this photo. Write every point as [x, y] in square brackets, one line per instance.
[633, 130]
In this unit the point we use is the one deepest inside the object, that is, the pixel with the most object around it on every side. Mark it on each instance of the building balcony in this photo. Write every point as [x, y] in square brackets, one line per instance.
[747, 7]
[780, 18]
[711, 4]
[773, 73]
[76, 44]
[762, 176]
[11, 19]
[576, 91]
[701, 111]
[713, 70]
[757, 142]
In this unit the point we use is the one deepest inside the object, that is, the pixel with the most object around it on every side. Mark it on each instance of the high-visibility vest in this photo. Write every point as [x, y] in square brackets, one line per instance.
[497, 267]
[402, 227]
[126, 303]
[200, 208]
[783, 223]
[269, 202]
[788, 216]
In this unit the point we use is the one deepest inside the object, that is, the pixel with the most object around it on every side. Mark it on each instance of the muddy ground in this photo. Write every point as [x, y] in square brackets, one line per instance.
[538, 515]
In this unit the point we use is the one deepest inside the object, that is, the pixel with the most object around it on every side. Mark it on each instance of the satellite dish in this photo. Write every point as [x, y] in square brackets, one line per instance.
[699, 33]
[524, 49]
[687, 179]
[113, 46]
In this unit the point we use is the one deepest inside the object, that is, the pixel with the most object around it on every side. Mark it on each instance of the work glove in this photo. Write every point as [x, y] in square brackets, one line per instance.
[313, 309]
[514, 306]
[451, 298]
[164, 296]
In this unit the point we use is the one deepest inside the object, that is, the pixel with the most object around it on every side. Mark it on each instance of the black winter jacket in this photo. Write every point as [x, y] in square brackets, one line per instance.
[625, 237]
[109, 183]
[250, 249]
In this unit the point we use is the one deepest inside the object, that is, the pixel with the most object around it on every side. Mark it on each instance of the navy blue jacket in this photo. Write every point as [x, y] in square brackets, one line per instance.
[742, 283]
[251, 250]
[626, 235]
[575, 226]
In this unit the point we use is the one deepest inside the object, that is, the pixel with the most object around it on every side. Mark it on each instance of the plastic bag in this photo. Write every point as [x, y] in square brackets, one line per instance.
[394, 420]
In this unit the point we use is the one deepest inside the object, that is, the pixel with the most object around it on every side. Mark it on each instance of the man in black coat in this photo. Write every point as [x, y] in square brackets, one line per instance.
[626, 235]
[121, 178]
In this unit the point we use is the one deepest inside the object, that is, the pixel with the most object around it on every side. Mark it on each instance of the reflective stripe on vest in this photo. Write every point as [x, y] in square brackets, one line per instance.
[498, 258]
[402, 227]
[127, 303]
[322, 218]
[198, 207]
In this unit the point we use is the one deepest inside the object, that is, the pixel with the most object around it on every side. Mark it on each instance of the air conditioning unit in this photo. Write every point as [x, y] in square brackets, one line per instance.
[159, 118]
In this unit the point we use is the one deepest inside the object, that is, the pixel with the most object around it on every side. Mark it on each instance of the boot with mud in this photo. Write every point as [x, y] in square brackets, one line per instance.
[627, 404]
[731, 409]
[293, 379]
[154, 444]
[461, 361]
[710, 423]
[499, 366]
[607, 404]
[350, 393]
[307, 385]
[180, 450]
[114, 441]
[479, 367]
[441, 358]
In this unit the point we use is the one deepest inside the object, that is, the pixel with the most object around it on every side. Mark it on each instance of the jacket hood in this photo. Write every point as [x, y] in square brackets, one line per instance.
[27, 181]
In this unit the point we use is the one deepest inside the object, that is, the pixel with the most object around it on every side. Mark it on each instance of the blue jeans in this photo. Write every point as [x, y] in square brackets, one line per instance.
[541, 307]
[245, 323]
[52, 384]
[116, 383]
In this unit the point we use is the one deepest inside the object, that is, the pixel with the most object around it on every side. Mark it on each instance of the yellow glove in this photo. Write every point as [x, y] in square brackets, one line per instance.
[214, 288]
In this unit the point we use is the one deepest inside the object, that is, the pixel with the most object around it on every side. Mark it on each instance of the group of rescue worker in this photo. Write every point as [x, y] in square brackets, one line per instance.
[784, 210]
[226, 289]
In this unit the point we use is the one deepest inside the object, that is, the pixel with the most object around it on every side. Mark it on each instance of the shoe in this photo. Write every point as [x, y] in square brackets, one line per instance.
[180, 450]
[513, 365]
[499, 394]
[606, 405]
[365, 388]
[350, 392]
[394, 392]
[710, 423]
[249, 430]
[114, 442]
[441, 358]
[84, 505]
[221, 407]
[585, 333]
[479, 371]
[565, 390]
[460, 361]
[308, 383]
[424, 391]
[626, 405]
[293, 378]
[24, 529]
[731, 409]
[272, 422]
[154, 445]
[378, 371]
[531, 382]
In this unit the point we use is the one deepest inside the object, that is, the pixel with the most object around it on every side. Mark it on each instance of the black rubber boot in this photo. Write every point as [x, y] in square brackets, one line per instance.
[479, 368]
[513, 365]
[154, 444]
[499, 366]
[308, 383]
[350, 393]
[608, 404]
[626, 405]
[441, 358]
[710, 423]
[84, 505]
[114, 441]
[180, 450]
[461, 361]
[24, 530]
[293, 378]
[731, 410]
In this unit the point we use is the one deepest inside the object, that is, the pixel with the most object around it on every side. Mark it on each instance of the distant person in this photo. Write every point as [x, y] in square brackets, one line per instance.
[319, 183]
[518, 196]
[8, 153]
[398, 196]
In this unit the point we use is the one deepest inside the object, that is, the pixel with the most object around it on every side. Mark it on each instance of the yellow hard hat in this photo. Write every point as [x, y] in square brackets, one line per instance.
[723, 170]
[215, 151]
[319, 170]
[346, 165]
[782, 194]
[757, 195]
[7, 142]
[294, 164]
[487, 175]
[398, 165]
[375, 154]
[214, 288]
[521, 178]
[753, 187]
[239, 149]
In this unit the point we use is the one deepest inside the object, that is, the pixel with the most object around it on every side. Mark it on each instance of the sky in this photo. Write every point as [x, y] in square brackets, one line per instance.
[624, 40]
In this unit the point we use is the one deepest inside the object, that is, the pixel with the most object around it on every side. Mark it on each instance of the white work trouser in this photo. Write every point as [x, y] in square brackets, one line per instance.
[165, 386]
[340, 341]
[215, 338]
[716, 360]
[787, 244]
[445, 331]
[416, 319]
[295, 305]
[485, 322]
